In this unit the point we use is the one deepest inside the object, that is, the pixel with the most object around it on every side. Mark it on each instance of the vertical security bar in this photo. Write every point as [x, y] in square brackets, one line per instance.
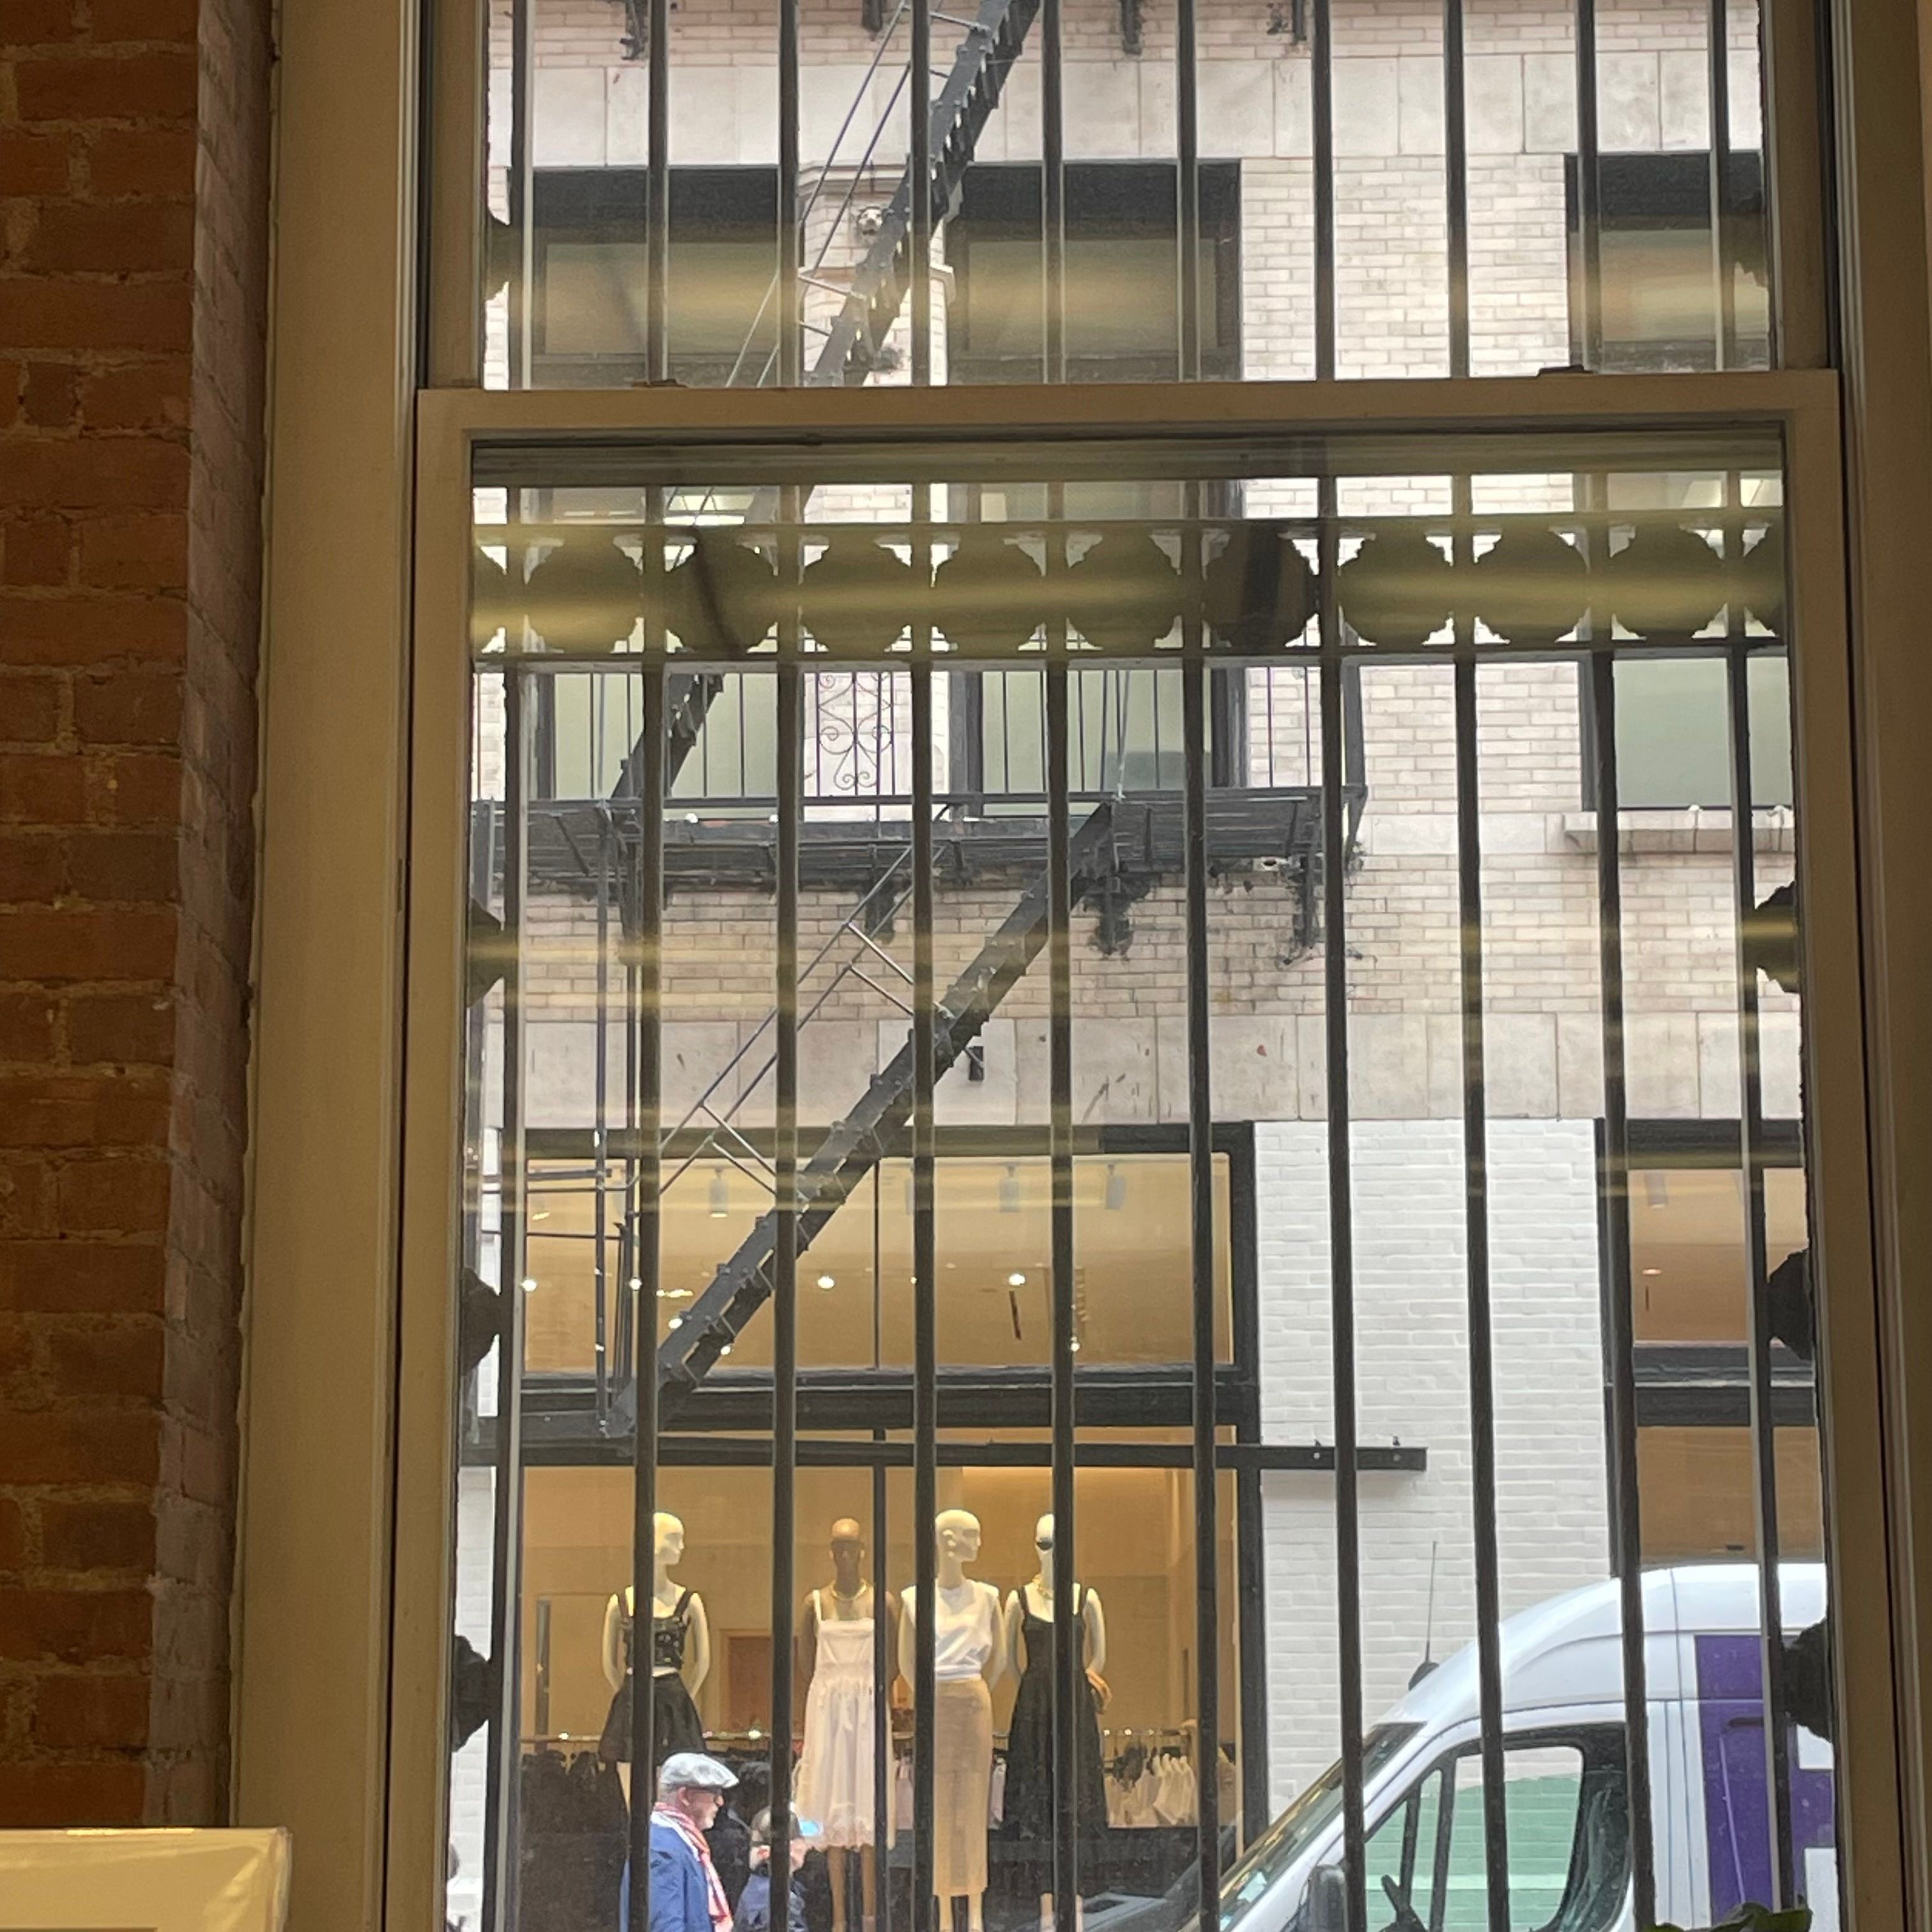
[1322, 84]
[657, 207]
[1613, 1183]
[1589, 200]
[1723, 227]
[1456, 148]
[919, 172]
[925, 1279]
[791, 779]
[647, 982]
[791, 286]
[1068, 1635]
[1194, 674]
[521, 187]
[1053, 191]
[1341, 1216]
[1187, 225]
[1750, 1150]
[601, 1083]
[505, 1749]
[1476, 1184]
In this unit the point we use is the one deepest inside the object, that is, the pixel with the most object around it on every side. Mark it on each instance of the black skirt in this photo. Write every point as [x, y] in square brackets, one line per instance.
[674, 1722]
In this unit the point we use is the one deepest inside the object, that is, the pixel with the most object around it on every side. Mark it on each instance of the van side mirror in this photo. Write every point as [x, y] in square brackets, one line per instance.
[1328, 1910]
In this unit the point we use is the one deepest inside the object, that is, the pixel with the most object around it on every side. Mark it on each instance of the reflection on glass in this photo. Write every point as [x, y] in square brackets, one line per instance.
[580, 581]
[1679, 287]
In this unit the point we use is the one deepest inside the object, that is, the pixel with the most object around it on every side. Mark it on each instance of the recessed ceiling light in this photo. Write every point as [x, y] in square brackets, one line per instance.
[827, 1281]
[529, 1284]
[1016, 1279]
[1653, 1270]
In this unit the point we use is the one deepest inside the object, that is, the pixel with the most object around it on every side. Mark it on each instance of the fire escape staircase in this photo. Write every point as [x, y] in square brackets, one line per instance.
[854, 1146]
[965, 103]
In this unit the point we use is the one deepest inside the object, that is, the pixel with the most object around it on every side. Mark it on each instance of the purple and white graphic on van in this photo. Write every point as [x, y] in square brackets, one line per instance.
[1737, 1820]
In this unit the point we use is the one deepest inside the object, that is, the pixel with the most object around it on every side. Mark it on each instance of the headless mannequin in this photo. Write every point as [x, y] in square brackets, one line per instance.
[848, 1595]
[668, 1552]
[957, 1534]
[1038, 1596]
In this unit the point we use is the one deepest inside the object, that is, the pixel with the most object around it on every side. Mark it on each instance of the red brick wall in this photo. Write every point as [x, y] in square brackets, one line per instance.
[133, 152]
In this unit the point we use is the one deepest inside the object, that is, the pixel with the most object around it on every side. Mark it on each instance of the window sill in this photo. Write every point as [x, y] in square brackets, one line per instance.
[1698, 829]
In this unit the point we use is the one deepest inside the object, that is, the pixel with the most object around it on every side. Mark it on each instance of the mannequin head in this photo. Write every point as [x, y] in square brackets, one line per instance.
[848, 1555]
[670, 1532]
[958, 1531]
[1042, 1540]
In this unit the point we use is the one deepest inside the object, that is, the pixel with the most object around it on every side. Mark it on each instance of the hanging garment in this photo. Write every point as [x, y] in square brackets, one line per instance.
[962, 1777]
[1029, 1736]
[675, 1726]
[834, 1785]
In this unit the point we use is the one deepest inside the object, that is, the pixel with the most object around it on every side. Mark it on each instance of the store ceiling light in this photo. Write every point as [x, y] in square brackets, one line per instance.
[721, 1195]
[1117, 1189]
[828, 1281]
[637, 1285]
[1016, 1279]
[529, 1284]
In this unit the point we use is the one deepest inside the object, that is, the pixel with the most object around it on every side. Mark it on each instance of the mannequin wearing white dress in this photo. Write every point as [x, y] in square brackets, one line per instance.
[969, 1657]
[672, 1609]
[835, 1665]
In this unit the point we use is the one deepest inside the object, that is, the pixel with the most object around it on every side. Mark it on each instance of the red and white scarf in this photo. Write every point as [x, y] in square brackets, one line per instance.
[720, 1906]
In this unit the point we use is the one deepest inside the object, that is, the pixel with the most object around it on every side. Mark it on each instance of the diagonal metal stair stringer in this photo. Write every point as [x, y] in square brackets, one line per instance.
[853, 1148]
[961, 110]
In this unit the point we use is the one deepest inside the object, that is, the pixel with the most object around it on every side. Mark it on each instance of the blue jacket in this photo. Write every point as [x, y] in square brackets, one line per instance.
[754, 1905]
[680, 1900]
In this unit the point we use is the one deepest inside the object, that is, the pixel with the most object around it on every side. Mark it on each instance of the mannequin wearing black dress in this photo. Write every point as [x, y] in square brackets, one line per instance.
[1029, 1806]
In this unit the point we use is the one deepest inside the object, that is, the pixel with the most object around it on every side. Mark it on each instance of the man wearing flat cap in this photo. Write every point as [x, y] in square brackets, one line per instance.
[685, 1893]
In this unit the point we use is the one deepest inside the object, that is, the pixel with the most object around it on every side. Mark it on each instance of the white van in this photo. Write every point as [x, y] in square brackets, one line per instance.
[1564, 1768]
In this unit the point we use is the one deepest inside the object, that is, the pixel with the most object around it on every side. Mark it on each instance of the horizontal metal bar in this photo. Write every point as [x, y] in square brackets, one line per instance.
[1006, 414]
[679, 1449]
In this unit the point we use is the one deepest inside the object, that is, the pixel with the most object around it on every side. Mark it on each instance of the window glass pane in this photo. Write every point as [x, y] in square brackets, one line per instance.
[1673, 276]
[1268, 1117]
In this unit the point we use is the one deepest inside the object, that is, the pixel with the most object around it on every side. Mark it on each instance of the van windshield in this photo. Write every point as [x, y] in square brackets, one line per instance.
[1299, 1825]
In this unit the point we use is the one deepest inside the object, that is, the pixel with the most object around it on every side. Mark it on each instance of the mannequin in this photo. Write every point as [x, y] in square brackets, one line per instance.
[680, 1651]
[836, 1664]
[1029, 1634]
[969, 1657]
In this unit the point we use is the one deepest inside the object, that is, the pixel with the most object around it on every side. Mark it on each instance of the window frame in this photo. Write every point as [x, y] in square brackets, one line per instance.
[455, 424]
[339, 1630]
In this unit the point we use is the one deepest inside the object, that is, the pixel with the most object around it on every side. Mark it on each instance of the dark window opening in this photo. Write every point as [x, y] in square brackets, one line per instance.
[587, 329]
[1123, 287]
[1659, 266]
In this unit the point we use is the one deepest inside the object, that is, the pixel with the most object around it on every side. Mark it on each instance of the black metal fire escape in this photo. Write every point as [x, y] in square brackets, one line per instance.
[853, 1147]
[960, 111]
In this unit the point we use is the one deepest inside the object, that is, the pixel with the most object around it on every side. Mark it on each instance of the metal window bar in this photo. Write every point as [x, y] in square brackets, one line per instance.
[785, 1193]
[1751, 1155]
[1589, 200]
[1613, 1209]
[1201, 1231]
[1724, 229]
[925, 1917]
[1068, 1660]
[1476, 1198]
[503, 1750]
[645, 979]
[1068, 1636]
